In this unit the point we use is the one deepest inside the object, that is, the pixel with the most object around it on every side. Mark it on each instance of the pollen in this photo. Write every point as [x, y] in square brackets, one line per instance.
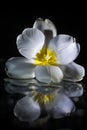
[46, 57]
[44, 98]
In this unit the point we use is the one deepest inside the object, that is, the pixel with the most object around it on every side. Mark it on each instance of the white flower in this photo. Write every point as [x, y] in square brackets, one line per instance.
[48, 57]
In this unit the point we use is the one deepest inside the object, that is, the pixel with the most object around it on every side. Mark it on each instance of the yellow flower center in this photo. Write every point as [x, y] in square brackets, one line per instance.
[46, 57]
[44, 98]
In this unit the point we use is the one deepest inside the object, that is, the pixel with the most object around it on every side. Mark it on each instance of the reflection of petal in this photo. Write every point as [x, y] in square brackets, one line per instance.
[27, 109]
[14, 86]
[60, 107]
[47, 89]
[20, 86]
[72, 89]
[12, 89]
[20, 82]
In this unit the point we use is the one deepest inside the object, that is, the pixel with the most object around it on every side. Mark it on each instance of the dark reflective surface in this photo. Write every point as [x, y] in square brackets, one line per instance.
[66, 117]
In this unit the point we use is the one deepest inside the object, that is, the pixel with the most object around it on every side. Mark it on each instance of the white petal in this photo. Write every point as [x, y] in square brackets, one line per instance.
[45, 25]
[27, 109]
[71, 89]
[48, 74]
[60, 107]
[20, 68]
[42, 74]
[66, 48]
[73, 72]
[30, 42]
[55, 73]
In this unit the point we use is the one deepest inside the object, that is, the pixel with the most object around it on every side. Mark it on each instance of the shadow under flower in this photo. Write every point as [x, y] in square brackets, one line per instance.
[40, 102]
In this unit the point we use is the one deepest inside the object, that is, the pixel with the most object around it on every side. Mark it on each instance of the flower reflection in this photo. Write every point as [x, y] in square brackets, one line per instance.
[43, 101]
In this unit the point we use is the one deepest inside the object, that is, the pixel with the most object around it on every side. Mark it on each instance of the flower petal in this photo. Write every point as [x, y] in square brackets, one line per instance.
[20, 68]
[45, 25]
[30, 42]
[66, 48]
[27, 109]
[42, 74]
[60, 107]
[73, 72]
[55, 73]
[48, 74]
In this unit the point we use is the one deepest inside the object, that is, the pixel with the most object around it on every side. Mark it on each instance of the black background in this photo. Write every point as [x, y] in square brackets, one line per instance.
[13, 19]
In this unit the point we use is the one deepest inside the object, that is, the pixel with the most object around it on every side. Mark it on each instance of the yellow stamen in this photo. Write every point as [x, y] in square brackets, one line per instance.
[46, 57]
[44, 98]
